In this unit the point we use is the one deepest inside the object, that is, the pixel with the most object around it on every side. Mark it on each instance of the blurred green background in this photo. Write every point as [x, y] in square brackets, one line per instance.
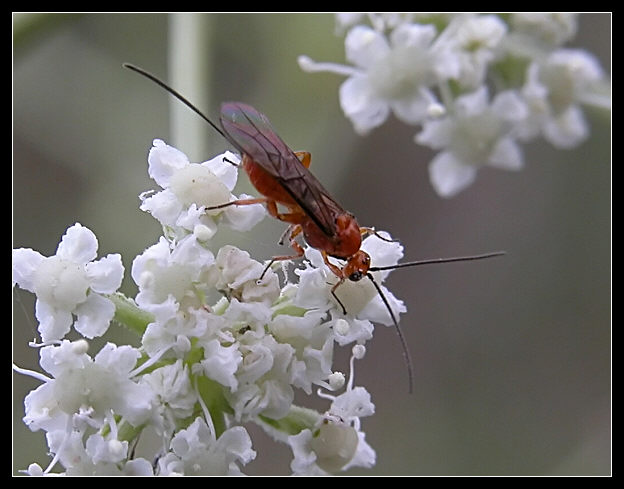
[512, 356]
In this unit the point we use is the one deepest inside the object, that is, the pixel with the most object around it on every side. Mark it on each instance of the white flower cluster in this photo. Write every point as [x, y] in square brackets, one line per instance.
[476, 84]
[222, 343]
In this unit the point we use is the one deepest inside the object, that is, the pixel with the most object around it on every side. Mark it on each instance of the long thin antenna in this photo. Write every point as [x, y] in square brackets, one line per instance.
[177, 95]
[439, 260]
[406, 354]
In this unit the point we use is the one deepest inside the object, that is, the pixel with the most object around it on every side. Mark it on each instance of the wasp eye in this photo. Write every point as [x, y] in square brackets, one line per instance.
[356, 276]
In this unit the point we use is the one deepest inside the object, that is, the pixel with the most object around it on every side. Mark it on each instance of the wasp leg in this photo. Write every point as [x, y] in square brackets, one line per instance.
[261, 200]
[337, 271]
[333, 291]
[304, 157]
[295, 230]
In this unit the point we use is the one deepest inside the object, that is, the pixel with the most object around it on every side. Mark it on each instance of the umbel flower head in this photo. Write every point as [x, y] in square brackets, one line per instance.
[456, 75]
[222, 343]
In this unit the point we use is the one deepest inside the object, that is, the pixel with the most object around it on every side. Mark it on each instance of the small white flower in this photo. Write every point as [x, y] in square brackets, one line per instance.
[392, 74]
[554, 91]
[352, 404]
[70, 282]
[474, 40]
[337, 444]
[172, 269]
[324, 452]
[99, 456]
[238, 276]
[476, 133]
[220, 362]
[352, 331]
[69, 448]
[552, 29]
[194, 451]
[102, 383]
[313, 343]
[188, 188]
[103, 450]
[174, 395]
[264, 378]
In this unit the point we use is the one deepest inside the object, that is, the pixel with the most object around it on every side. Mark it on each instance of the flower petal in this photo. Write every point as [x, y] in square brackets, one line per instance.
[507, 155]
[54, 323]
[361, 105]
[26, 262]
[106, 274]
[163, 161]
[78, 245]
[448, 175]
[94, 316]
[364, 46]
[568, 129]
[226, 172]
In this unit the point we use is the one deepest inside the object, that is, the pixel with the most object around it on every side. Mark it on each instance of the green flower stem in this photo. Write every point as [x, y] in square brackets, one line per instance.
[297, 420]
[212, 394]
[129, 314]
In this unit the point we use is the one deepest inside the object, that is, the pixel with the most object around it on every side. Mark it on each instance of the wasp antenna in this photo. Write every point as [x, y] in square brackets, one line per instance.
[176, 94]
[439, 260]
[406, 353]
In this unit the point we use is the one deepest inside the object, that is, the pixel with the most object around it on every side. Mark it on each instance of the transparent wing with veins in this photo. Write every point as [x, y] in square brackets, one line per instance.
[252, 134]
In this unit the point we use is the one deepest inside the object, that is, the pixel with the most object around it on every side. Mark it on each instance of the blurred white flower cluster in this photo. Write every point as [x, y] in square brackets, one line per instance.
[477, 85]
[221, 344]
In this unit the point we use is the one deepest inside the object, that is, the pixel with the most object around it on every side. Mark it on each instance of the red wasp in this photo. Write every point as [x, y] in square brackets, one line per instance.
[282, 177]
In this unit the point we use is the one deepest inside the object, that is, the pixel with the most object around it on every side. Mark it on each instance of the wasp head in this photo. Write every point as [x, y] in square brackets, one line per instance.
[357, 266]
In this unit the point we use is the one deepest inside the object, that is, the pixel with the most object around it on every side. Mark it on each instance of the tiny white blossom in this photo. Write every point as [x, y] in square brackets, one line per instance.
[84, 394]
[188, 188]
[313, 343]
[336, 443]
[353, 330]
[474, 40]
[70, 283]
[476, 134]
[324, 452]
[554, 91]
[103, 450]
[102, 383]
[264, 378]
[238, 276]
[194, 451]
[352, 404]
[550, 28]
[174, 395]
[221, 362]
[174, 328]
[393, 74]
[97, 456]
[172, 269]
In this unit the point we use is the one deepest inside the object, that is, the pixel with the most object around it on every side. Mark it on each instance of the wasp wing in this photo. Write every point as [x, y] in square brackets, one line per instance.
[251, 133]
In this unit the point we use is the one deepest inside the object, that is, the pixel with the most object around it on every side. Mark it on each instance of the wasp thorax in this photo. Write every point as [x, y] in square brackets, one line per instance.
[348, 236]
